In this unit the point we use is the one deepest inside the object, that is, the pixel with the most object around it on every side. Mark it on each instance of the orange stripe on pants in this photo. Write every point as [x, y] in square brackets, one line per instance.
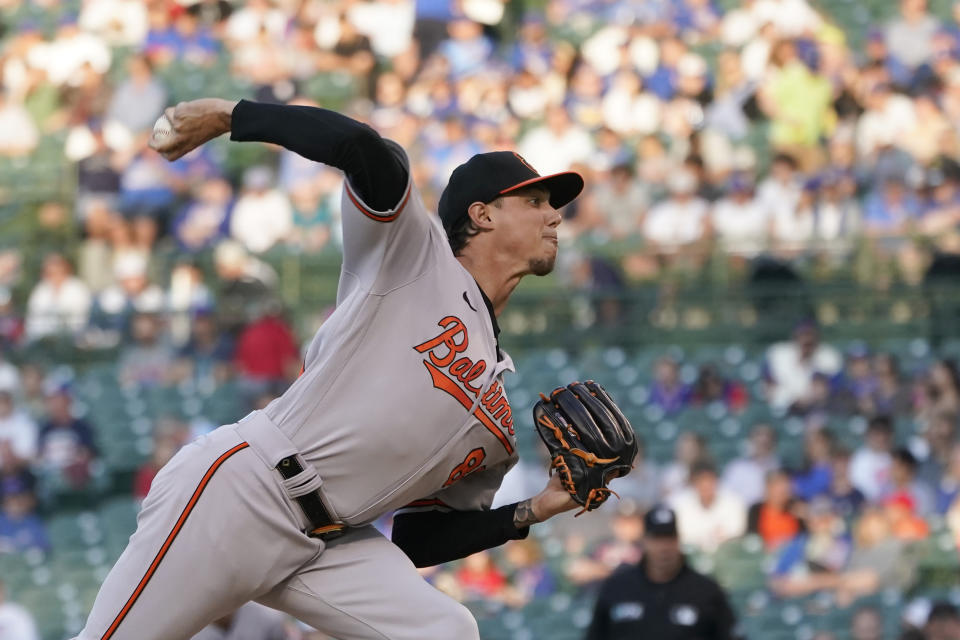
[170, 538]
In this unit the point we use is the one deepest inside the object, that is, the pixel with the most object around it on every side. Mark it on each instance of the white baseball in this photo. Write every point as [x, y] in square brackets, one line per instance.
[162, 129]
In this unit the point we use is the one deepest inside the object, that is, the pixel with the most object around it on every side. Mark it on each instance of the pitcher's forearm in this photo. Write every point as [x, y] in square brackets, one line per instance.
[523, 515]
[223, 114]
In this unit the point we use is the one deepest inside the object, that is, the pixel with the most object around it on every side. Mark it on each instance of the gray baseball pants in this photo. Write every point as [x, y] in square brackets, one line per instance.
[220, 528]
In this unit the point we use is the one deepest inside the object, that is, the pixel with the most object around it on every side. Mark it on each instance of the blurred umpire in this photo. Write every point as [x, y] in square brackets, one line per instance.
[661, 597]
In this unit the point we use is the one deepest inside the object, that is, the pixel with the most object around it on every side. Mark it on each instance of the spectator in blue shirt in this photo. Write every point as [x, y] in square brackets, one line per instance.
[667, 391]
[182, 37]
[697, 16]
[877, 53]
[456, 146]
[890, 209]
[857, 384]
[663, 81]
[532, 50]
[942, 199]
[816, 475]
[205, 221]
[948, 489]
[431, 25]
[815, 558]
[467, 49]
[145, 186]
[197, 42]
[847, 499]
[20, 527]
[66, 443]
[208, 353]
[193, 169]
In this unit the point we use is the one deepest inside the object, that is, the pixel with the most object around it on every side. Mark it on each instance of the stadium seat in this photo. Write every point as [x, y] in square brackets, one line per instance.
[740, 564]
[936, 560]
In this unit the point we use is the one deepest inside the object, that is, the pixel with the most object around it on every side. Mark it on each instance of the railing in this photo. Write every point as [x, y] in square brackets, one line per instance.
[544, 313]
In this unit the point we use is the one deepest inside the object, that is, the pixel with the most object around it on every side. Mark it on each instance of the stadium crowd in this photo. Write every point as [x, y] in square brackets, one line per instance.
[763, 127]
[770, 127]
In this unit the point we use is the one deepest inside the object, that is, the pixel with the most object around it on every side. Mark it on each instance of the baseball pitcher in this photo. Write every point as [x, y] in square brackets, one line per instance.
[400, 407]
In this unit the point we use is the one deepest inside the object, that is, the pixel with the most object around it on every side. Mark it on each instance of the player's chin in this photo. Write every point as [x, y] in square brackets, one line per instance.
[543, 265]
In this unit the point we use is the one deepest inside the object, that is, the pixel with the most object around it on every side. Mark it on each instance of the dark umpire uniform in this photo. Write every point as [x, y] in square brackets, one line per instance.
[661, 597]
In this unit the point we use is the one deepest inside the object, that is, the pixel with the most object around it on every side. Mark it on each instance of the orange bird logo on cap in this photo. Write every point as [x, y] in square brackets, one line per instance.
[525, 163]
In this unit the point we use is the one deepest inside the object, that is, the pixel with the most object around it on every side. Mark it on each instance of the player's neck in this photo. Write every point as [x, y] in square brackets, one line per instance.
[495, 281]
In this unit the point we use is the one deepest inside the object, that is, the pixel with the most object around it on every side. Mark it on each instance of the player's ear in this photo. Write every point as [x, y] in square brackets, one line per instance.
[480, 215]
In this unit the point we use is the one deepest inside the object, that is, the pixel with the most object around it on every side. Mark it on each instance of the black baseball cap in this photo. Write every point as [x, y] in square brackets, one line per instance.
[487, 176]
[660, 522]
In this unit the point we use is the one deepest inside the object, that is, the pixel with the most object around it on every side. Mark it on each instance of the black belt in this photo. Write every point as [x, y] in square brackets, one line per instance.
[321, 524]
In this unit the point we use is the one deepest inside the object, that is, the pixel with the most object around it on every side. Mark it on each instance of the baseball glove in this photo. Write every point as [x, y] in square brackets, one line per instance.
[589, 440]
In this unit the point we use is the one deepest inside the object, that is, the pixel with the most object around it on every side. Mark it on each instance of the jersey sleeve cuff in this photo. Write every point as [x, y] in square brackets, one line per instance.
[391, 214]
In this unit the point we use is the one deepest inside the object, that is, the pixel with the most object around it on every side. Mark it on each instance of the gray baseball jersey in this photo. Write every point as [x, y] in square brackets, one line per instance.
[400, 404]
[401, 398]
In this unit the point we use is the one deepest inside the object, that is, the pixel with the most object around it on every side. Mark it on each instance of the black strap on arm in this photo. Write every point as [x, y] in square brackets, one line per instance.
[434, 537]
[375, 172]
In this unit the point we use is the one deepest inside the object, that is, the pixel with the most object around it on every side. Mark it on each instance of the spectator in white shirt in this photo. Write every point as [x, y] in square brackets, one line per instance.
[790, 366]
[262, 215]
[18, 133]
[889, 118]
[255, 17]
[791, 18]
[16, 623]
[871, 464]
[620, 202]
[707, 515]
[681, 219]
[910, 36]
[71, 51]
[740, 24]
[675, 475]
[557, 144]
[119, 22]
[629, 110]
[746, 476]
[740, 221]
[17, 432]
[388, 24]
[780, 192]
[140, 98]
[59, 303]
[793, 231]
[131, 293]
[837, 211]
[9, 375]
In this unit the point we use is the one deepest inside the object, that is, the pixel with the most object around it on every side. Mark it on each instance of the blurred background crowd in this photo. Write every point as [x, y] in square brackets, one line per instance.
[815, 474]
[704, 128]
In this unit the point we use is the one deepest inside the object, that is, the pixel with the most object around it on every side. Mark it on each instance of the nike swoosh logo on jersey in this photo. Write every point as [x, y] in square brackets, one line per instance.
[467, 300]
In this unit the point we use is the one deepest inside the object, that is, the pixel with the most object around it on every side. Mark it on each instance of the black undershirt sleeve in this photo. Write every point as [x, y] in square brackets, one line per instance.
[434, 537]
[375, 172]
